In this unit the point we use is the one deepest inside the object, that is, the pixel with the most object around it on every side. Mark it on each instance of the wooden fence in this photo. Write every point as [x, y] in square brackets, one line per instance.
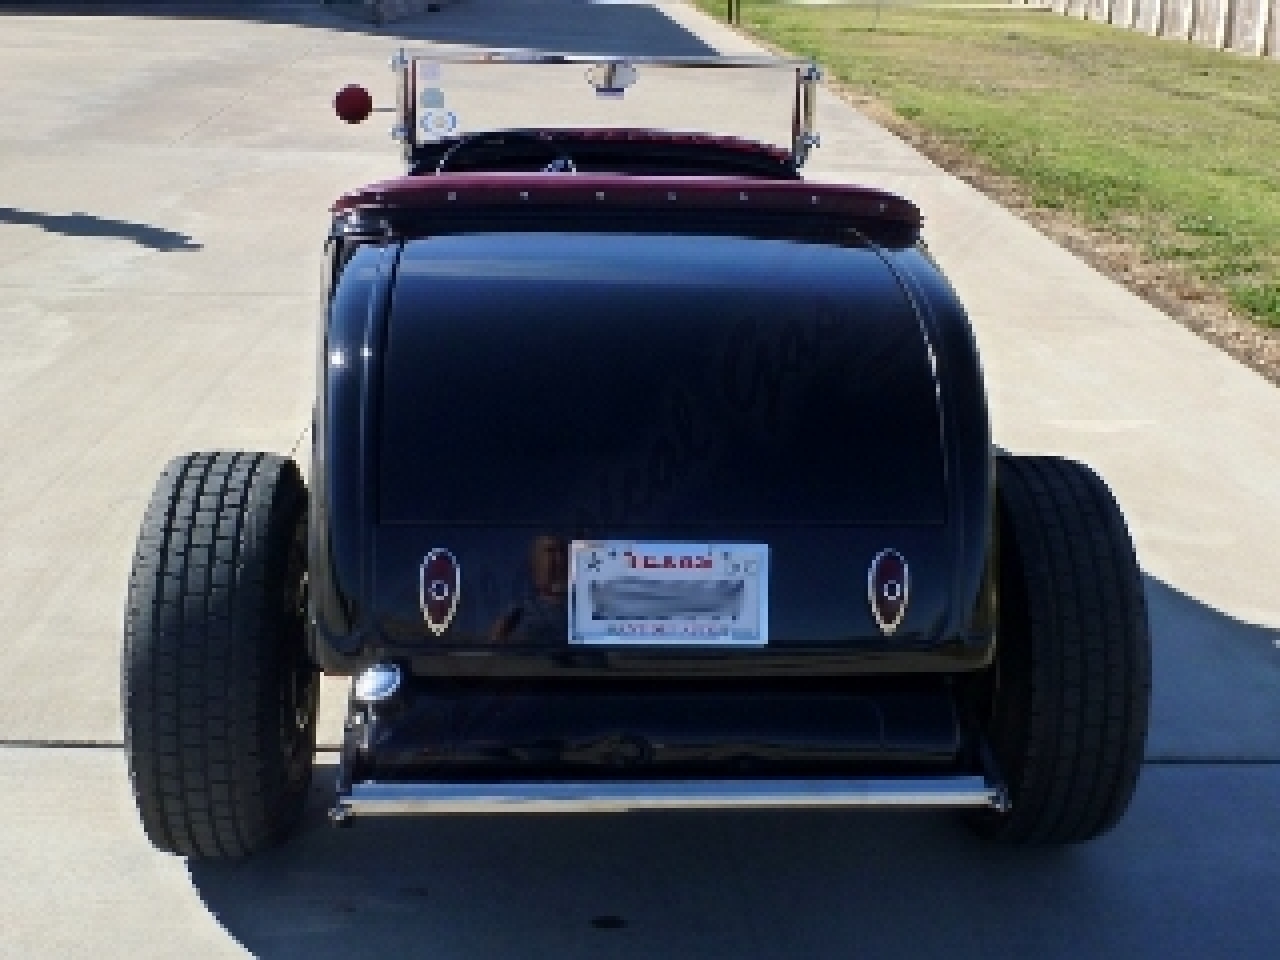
[1244, 26]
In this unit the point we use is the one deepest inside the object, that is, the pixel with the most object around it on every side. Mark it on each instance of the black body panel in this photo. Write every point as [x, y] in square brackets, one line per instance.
[422, 337]
[698, 729]
[777, 384]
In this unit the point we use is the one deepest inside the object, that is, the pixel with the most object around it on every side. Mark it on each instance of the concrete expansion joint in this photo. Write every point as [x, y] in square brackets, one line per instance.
[1212, 760]
[36, 744]
[1159, 760]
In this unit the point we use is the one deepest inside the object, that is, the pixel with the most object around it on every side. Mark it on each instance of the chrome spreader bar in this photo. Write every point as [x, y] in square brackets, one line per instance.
[616, 796]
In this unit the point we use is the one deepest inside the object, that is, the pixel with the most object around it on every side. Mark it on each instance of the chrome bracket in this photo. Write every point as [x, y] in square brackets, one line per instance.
[804, 120]
[1001, 802]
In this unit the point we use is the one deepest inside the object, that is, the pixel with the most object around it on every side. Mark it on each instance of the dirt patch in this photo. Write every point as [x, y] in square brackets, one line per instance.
[1167, 286]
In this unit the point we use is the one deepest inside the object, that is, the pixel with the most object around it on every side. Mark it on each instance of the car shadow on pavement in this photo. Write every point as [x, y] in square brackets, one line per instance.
[1216, 685]
[590, 885]
[564, 26]
[814, 883]
[86, 225]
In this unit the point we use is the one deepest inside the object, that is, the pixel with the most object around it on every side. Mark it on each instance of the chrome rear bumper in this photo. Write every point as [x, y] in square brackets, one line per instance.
[617, 796]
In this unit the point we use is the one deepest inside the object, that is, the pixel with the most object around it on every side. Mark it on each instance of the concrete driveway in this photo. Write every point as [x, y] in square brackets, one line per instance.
[163, 184]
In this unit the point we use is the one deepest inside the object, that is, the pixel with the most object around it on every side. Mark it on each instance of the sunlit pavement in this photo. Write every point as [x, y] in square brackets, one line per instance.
[163, 185]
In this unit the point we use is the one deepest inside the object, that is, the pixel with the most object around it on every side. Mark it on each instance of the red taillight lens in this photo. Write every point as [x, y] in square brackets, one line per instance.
[887, 585]
[353, 104]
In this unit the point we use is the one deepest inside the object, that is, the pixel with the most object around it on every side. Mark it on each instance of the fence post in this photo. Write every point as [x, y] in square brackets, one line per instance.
[735, 12]
[1122, 13]
[1210, 25]
[1179, 17]
[1248, 27]
[1150, 17]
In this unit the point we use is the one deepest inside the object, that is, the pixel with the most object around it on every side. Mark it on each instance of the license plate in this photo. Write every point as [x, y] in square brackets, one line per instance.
[626, 593]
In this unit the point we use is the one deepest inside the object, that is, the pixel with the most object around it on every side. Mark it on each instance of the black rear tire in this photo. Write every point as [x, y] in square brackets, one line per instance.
[218, 696]
[1067, 701]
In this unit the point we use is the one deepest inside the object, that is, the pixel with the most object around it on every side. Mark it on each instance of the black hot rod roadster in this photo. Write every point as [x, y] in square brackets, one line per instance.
[645, 474]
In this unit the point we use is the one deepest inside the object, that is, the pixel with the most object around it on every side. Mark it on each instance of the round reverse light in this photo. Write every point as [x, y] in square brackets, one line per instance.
[353, 104]
[377, 683]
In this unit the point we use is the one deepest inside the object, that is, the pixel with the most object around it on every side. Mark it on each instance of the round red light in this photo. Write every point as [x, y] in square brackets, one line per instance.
[353, 104]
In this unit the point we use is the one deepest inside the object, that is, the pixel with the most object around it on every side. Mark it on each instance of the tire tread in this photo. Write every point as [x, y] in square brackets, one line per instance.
[1073, 729]
[201, 652]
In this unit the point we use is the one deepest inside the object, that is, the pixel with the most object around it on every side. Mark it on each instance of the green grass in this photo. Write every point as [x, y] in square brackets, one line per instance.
[1172, 147]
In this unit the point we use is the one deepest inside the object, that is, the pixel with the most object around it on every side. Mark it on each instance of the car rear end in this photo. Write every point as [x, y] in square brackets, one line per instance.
[645, 510]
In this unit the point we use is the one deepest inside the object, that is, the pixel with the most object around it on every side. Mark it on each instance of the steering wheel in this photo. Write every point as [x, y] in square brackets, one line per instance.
[561, 162]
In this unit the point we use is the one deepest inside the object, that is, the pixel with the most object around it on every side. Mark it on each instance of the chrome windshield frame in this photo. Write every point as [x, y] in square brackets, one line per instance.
[808, 75]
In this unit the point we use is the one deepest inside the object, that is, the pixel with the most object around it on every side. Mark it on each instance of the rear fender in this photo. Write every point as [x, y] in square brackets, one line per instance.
[342, 506]
[968, 454]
